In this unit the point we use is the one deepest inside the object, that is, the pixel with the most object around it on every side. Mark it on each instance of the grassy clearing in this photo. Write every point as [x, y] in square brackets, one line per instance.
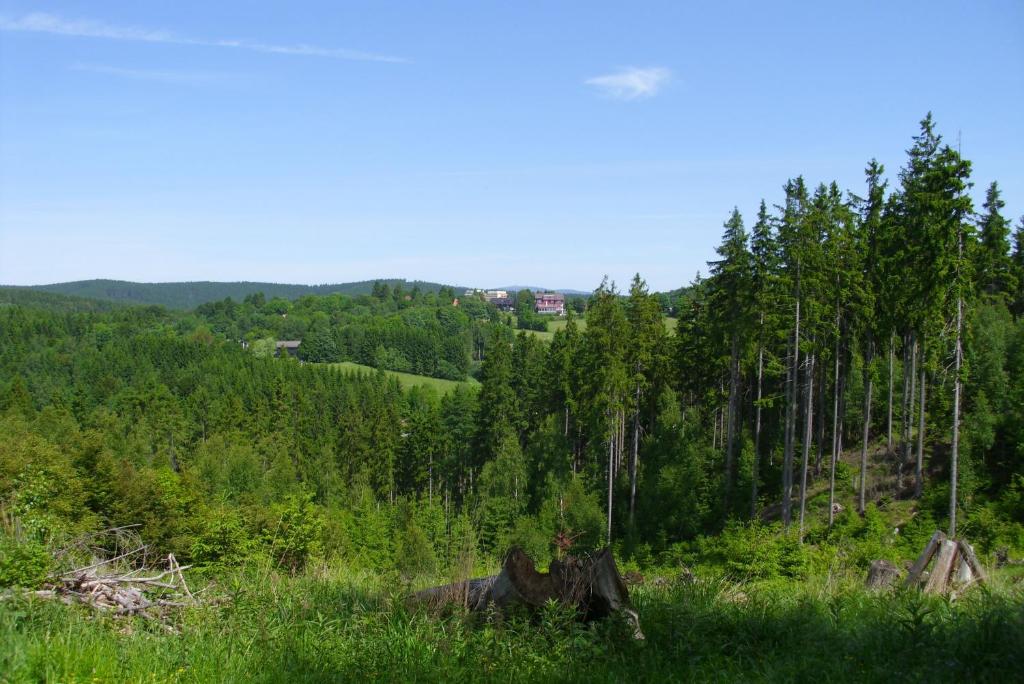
[343, 626]
[408, 379]
[556, 324]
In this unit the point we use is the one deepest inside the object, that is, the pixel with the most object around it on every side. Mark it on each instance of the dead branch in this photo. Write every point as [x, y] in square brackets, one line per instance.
[143, 591]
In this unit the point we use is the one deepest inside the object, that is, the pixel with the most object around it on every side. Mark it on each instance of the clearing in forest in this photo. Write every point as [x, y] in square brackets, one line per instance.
[408, 379]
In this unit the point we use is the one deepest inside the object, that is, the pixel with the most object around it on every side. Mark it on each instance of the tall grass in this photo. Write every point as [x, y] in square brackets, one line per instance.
[346, 626]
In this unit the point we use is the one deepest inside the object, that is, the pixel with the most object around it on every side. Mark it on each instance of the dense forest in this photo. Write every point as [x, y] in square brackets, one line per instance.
[188, 295]
[852, 359]
[886, 324]
[391, 328]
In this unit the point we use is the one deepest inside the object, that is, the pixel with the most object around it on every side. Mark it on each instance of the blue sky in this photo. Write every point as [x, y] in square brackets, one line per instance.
[476, 143]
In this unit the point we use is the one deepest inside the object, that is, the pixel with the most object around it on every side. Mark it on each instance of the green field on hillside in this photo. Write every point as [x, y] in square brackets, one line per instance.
[408, 379]
[556, 324]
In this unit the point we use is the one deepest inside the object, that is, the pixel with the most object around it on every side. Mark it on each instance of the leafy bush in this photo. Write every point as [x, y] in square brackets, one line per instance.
[296, 535]
[222, 540]
[387, 358]
[756, 551]
[24, 561]
[985, 528]
[414, 554]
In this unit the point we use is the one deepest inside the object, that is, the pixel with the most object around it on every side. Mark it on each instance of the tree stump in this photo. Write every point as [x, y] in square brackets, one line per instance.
[882, 575]
[590, 583]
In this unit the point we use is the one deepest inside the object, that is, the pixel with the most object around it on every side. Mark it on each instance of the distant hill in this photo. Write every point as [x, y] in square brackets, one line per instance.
[188, 295]
[39, 299]
[533, 288]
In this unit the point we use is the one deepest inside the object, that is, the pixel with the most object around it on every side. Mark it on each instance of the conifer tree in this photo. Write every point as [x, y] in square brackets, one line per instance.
[868, 246]
[1017, 297]
[607, 380]
[730, 303]
[819, 222]
[497, 402]
[849, 293]
[793, 240]
[996, 276]
[764, 285]
[644, 365]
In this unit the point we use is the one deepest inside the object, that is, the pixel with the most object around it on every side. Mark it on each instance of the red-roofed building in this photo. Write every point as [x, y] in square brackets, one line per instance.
[549, 303]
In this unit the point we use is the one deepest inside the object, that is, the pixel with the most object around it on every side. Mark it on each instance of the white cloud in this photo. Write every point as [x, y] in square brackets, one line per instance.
[632, 83]
[40, 22]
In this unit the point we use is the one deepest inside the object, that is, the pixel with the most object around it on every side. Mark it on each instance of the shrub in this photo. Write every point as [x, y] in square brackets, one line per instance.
[222, 540]
[297, 534]
[24, 562]
[414, 556]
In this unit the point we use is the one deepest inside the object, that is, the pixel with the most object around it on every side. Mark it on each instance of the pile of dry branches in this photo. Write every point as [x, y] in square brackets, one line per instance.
[126, 583]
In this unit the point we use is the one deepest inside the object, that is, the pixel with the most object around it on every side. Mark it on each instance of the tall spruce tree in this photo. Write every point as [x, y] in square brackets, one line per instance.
[996, 275]
[793, 240]
[644, 365]
[497, 403]
[765, 287]
[730, 303]
[607, 381]
[868, 235]
[1017, 298]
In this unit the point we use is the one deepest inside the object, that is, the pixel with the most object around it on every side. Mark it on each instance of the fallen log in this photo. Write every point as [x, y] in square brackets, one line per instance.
[590, 583]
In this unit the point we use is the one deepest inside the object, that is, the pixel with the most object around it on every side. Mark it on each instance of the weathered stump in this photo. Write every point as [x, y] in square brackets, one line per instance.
[944, 559]
[590, 583]
[882, 575]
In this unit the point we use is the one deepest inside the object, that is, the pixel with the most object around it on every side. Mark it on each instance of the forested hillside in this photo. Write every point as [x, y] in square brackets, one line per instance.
[408, 331]
[840, 323]
[854, 363]
[188, 295]
[28, 297]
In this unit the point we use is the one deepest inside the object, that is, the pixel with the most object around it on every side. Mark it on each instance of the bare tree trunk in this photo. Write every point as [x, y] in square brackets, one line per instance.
[867, 426]
[892, 361]
[807, 441]
[787, 457]
[955, 448]
[730, 441]
[819, 419]
[622, 438]
[634, 461]
[908, 425]
[611, 480]
[757, 430]
[919, 466]
[836, 438]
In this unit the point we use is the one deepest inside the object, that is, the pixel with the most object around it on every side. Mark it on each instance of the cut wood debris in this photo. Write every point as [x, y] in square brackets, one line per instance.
[141, 591]
[953, 566]
[119, 577]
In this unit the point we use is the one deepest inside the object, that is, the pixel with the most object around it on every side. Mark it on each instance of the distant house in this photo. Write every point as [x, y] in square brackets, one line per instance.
[291, 347]
[491, 295]
[549, 303]
[503, 303]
